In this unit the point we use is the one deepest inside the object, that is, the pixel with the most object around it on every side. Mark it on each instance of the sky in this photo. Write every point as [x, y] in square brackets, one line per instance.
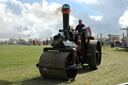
[41, 19]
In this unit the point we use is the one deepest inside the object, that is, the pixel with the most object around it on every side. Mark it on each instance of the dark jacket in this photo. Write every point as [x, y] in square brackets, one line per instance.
[79, 28]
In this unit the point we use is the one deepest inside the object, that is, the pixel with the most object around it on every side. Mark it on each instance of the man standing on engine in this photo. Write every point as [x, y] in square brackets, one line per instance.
[79, 26]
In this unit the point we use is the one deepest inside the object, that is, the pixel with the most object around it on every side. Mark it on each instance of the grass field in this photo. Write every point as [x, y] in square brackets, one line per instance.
[18, 67]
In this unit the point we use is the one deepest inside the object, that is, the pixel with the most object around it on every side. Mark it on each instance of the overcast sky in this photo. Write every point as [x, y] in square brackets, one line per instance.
[43, 18]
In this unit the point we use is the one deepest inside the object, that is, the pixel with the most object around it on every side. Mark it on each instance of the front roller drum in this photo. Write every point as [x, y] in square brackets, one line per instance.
[56, 65]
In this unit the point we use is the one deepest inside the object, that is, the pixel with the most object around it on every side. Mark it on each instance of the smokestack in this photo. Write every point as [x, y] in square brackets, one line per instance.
[66, 11]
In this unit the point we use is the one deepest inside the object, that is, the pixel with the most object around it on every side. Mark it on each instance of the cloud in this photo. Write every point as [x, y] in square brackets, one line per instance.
[124, 19]
[3, 0]
[111, 11]
[87, 1]
[41, 20]
[6, 19]
[37, 20]
[96, 18]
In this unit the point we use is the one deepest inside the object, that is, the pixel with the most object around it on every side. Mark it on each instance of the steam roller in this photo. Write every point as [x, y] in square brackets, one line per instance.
[70, 51]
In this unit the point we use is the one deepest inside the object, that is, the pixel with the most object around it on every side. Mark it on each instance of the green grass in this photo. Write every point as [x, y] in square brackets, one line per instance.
[18, 67]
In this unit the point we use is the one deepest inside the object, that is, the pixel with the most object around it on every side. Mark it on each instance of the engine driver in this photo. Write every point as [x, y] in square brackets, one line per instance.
[79, 26]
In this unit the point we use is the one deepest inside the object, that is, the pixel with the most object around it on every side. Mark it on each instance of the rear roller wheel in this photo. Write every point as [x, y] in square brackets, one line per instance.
[94, 58]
